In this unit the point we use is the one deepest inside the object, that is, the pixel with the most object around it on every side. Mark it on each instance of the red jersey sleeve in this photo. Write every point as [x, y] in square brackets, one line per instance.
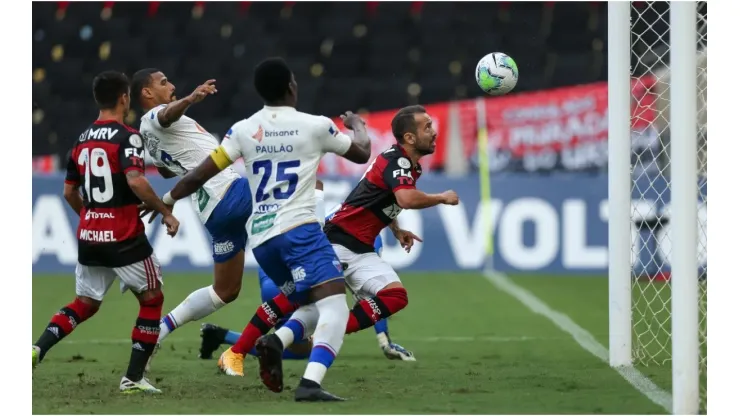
[398, 174]
[131, 154]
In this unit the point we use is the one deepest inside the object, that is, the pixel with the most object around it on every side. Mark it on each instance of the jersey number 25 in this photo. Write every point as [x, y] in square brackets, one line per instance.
[282, 175]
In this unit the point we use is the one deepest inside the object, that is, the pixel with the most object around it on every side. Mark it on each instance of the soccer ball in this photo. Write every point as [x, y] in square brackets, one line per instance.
[496, 73]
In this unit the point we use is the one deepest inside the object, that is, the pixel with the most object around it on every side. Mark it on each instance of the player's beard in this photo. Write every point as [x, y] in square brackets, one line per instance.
[427, 150]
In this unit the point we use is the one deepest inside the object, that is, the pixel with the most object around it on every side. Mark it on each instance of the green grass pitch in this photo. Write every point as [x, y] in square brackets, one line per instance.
[479, 351]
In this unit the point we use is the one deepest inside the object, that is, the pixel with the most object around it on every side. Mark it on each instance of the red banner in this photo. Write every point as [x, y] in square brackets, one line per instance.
[381, 136]
[545, 120]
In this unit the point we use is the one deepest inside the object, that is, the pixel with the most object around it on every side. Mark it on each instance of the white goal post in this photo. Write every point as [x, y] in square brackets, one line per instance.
[657, 193]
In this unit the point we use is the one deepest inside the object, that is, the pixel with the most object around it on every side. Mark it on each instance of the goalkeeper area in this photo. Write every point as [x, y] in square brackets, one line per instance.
[521, 344]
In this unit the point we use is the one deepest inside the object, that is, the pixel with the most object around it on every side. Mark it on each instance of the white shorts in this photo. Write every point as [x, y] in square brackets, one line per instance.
[94, 281]
[366, 273]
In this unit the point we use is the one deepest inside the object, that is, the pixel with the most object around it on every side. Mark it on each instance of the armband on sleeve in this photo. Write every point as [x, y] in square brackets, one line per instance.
[221, 158]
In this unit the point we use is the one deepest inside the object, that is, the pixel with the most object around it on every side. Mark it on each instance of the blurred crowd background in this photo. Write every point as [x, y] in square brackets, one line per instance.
[369, 57]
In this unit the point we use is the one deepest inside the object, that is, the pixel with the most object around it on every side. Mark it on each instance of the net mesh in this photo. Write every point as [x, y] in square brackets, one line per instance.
[651, 249]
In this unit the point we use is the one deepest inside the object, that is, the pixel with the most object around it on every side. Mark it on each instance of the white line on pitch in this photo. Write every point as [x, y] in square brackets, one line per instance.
[587, 341]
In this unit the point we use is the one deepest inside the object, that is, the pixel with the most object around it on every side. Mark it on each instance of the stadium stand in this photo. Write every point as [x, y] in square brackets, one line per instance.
[347, 55]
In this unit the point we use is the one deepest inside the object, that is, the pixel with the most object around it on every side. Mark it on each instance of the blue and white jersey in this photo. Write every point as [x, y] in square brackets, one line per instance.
[281, 148]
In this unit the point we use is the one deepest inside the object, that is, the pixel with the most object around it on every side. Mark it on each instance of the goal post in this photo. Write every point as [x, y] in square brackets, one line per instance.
[684, 191]
[657, 194]
[620, 199]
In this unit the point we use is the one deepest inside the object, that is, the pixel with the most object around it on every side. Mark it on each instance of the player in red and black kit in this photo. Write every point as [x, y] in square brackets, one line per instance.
[388, 187]
[107, 164]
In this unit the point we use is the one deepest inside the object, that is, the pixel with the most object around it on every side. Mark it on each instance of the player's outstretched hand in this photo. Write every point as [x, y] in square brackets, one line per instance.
[450, 197]
[144, 210]
[406, 238]
[206, 89]
[351, 119]
[171, 223]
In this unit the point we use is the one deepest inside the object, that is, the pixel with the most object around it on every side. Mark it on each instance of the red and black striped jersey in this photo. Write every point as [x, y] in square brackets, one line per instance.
[372, 204]
[110, 233]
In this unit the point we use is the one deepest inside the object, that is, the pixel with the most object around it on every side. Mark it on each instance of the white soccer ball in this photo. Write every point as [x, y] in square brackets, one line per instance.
[496, 73]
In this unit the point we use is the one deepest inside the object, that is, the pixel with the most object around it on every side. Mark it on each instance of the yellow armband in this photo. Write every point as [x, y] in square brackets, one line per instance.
[221, 158]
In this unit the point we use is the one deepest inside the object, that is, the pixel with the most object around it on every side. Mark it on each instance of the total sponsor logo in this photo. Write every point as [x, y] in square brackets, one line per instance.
[98, 215]
[97, 236]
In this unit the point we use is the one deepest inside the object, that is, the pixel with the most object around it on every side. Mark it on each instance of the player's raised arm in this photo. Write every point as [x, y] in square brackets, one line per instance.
[355, 150]
[72, 187]
[221, 158]
[173, 111]
[131, 159]
[359, 150]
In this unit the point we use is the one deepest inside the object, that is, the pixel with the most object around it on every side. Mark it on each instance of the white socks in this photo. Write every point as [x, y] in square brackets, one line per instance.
[197, 305]
[307, 316]
[328, 337]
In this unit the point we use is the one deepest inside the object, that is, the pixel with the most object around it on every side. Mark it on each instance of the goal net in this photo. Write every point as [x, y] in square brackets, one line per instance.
[651, 188]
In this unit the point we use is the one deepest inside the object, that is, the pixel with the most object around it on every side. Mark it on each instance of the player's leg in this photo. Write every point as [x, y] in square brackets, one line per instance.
[379, 294]
[144, 279]
[315, 270]
[213, 336]
[226, 225]
[91, 285]
[231, 361]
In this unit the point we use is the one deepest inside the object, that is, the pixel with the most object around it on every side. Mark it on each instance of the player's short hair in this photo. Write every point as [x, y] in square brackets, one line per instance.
[108, 87]
[404, 122]
[141, 79]
[271, 79]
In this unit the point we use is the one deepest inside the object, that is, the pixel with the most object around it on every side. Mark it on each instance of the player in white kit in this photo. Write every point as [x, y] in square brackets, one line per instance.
[178, 144]
[282, 148]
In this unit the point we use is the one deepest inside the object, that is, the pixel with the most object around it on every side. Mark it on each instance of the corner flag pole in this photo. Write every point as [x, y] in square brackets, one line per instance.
[484, 179]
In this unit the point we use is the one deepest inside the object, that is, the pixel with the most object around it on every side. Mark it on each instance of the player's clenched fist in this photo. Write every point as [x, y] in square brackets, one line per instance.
[207, 88]
[450, 197]
[351, 120]
[172, 224]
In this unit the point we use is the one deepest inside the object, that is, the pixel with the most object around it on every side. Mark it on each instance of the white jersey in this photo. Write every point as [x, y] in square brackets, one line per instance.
[282, 148]
[181, 147]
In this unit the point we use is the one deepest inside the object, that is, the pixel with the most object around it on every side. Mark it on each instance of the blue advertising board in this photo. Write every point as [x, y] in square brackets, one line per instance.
[555, 224]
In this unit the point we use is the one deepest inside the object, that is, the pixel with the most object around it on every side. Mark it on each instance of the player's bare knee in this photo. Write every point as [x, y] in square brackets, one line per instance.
[226, 290]
[228, 278]
[334, 287]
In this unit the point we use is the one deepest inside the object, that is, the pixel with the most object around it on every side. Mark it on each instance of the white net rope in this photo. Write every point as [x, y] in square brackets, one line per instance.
[651, 250]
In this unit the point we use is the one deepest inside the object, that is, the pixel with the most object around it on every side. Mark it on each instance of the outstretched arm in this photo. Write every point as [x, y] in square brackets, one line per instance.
[194, 180]
[173, 111]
